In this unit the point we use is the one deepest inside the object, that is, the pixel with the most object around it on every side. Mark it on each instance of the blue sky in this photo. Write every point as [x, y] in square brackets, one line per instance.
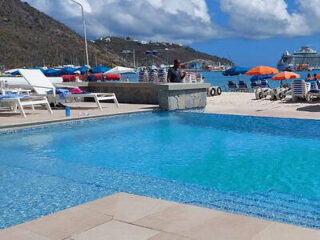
[249, 32]
[250, 52]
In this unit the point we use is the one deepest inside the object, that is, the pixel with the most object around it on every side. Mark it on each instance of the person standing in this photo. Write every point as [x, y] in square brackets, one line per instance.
[91, 77]
[175, 75]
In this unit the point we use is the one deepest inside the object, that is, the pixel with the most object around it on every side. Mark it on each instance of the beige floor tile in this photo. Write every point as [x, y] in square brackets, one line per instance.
[78, 110]
[168, 236]
[177, 218]
[276, 231]
[115, 230]
[127, 207]
[66, 223]
[15, 233]
[227, 227]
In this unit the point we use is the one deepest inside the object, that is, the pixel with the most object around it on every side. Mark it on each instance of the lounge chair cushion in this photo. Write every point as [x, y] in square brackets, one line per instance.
[11, 95]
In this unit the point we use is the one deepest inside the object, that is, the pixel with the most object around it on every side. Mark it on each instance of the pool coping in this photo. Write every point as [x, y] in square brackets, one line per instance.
[144, 218]
[6, 128]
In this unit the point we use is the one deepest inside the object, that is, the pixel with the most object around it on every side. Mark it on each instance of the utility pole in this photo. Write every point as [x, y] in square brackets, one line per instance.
[134, 58]
[167, 55]
[84, 30]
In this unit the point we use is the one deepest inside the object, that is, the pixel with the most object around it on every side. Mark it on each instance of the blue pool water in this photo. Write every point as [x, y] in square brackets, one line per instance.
[264, 167]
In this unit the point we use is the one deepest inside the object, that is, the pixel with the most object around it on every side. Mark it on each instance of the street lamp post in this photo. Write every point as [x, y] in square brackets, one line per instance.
[84, 30]
[166, 49]
[126, 52]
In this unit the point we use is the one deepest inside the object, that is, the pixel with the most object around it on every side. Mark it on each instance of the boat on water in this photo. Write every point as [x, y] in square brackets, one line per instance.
[306, 59]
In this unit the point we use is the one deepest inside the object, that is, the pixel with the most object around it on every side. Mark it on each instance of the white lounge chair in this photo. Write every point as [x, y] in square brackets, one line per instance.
[279, 93]
[314, 92]
[42, 85]
[300, 89]
[261, 93]
[19, 102]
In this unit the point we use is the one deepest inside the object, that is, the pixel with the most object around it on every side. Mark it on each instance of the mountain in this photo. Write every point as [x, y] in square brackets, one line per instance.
[166, 52]
[30, 38]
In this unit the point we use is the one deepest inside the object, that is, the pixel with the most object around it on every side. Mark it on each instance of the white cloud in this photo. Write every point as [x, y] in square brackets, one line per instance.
[188, 20]
[311, 12]
[174, 20]
[264, 18]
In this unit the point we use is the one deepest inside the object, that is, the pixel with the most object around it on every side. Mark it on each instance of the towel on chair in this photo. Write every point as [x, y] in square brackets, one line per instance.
[78, 91]
[61, 92]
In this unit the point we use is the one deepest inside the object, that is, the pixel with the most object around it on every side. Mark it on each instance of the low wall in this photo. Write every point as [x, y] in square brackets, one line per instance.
[140, 93]
[179, 96]
[173, 96]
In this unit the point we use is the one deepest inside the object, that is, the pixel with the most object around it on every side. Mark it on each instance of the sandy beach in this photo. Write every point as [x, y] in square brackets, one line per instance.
[246, 104]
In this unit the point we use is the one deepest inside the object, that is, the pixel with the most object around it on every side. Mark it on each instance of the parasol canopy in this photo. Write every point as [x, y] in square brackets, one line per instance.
[262, 70]
[235, 71]
[285, 76]
[120, 70]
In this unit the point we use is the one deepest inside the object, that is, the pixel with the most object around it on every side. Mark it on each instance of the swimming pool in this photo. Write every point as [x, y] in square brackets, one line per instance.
[263, 167]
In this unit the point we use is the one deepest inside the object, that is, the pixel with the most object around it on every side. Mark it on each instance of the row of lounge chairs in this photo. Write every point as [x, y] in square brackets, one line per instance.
[261, 89]
[275, 93]
[299, 90]
[242, 86]
[46, 93]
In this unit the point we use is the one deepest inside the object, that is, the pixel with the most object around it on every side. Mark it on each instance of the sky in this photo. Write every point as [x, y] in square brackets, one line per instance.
[249, 32]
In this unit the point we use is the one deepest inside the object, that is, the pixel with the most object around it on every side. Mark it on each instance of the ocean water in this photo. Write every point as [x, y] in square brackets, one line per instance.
[263, 167]
[217, 79]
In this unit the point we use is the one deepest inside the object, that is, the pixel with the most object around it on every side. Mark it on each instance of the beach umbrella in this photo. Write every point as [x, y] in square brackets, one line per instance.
[262, 70]
[10, 71]
[41, 69]
[318, 76]
[51, 72]
[112, 77]
[120, 70]
[82, 70]
[100, 69]
[235, 71]
[67, 71]
[285, 76]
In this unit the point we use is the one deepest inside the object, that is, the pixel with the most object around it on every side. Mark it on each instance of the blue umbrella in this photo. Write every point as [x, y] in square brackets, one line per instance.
[41, 69]
[51, 72]
[235, 71]
[66, 71]
[82, 70]
[15, 73]
[100, 69]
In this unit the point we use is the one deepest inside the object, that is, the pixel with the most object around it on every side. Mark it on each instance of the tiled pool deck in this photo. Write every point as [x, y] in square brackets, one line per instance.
[82, 110]
[129, 217]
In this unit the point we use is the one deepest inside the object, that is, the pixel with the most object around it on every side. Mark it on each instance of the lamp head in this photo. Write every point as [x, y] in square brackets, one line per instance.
[85, 4]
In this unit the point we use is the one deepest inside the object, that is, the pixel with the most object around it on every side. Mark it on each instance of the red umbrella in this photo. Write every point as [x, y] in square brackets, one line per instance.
[112, 77]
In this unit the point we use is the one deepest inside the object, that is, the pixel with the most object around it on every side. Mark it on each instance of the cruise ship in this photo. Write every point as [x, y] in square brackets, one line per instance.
[307, 59]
